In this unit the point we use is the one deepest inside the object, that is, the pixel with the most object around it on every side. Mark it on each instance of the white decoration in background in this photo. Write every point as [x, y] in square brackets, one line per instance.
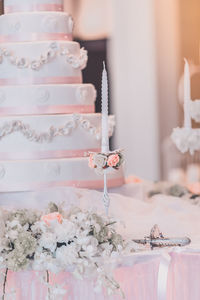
[195, 110]
[42, 95]
[41, 137]
[187, 95]
[2, 171]
[53, 51]
[186, 139]
[2, 97]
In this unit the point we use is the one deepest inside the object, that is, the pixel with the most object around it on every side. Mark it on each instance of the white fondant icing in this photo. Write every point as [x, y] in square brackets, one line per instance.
[14, 26]
[59, 97]
[50, 24]
[2, 97]
[29, 23]
[28, 175]
[57, 67]
[83, 94]
[52, 169]
[41, 95]
[2, 171]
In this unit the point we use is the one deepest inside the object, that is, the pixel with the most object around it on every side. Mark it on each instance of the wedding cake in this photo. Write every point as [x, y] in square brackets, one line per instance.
[47, 119]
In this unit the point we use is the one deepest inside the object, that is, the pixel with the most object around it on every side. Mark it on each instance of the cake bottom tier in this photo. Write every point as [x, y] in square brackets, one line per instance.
[29, 175]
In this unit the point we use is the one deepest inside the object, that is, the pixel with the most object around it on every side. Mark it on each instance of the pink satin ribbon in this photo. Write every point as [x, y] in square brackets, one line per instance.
[45, 154]
[89, 184]
[41, 80]
[34, 37]
[36, 7]
[47, 109]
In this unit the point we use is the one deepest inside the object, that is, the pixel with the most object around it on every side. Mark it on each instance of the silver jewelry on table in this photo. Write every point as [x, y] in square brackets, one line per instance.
[157, 240]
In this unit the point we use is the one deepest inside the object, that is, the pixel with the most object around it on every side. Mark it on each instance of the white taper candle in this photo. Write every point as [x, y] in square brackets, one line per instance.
[105, 127]
[187, 95]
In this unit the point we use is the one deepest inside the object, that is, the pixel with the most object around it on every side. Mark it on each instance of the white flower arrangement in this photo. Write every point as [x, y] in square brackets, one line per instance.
[81, 242]
[195, 110]
[186, 139]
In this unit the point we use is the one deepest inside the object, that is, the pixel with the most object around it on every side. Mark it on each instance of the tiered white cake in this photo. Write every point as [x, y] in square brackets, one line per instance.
[47, 119]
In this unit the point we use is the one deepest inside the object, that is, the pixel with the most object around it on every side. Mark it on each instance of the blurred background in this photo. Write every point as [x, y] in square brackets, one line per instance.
[144, 43]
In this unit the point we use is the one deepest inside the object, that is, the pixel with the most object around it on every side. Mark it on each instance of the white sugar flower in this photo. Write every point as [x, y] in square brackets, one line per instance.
[100, 160]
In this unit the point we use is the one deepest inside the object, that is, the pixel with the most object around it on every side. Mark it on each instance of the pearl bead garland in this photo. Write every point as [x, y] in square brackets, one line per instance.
[53, 51]
[52, 132]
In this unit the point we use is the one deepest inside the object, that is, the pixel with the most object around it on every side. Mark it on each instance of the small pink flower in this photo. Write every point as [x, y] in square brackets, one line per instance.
[113, 160]
[51, 217]
[91, 161]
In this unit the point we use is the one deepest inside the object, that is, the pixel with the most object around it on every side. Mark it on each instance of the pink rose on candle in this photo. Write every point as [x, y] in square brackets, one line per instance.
[91, 161]
[113, 160]
[51, 217]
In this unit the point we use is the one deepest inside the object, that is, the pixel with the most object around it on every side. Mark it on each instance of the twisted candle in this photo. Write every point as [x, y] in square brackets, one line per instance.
[105, 138]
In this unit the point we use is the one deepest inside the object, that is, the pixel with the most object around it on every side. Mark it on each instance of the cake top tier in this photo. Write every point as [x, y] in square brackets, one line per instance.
[12, 6]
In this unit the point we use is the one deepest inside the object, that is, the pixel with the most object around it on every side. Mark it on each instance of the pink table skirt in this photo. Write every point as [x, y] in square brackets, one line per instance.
[138, 278]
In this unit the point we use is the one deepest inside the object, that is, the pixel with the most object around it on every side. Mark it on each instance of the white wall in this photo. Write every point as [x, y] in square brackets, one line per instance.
[133, 59]
[169, 61]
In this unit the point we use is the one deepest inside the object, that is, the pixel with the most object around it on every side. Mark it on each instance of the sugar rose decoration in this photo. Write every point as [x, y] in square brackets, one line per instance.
[113, 160]
[102, 161]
